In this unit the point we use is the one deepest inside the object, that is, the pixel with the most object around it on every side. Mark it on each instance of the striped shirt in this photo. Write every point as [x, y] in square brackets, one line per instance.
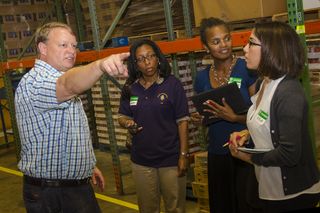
[55, 137]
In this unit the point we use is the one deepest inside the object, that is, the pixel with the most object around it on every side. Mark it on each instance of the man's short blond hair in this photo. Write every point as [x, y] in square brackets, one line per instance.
[43, 31]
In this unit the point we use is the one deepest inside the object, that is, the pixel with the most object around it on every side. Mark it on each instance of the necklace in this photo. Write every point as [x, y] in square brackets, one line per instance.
[221, 80]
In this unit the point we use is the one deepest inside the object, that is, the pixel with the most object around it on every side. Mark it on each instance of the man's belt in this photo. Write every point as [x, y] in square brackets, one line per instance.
[55, 183]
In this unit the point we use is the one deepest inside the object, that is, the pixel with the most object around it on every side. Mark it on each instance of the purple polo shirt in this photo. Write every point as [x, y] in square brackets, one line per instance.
[157, 110]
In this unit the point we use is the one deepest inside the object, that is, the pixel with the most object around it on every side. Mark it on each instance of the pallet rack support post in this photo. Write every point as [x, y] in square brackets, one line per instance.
[296, 20]
[90, 111]
[4, 128]
[59, 11]
[106, 102]
[188, 28]
[92, 120]
[112, 135]
[3, 57]
[79, 20]
[3, 54]
[171, 36]
[10, 98]
[94, 24]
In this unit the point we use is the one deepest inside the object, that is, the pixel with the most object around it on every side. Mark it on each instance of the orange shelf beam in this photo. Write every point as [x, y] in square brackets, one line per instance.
[239, 38]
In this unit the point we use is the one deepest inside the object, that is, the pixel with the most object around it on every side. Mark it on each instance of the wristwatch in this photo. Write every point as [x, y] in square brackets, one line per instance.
[185, 154]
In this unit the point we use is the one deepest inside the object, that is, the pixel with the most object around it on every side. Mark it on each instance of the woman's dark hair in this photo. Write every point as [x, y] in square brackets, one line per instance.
[281, 50]
[135, 73]
[207, 23]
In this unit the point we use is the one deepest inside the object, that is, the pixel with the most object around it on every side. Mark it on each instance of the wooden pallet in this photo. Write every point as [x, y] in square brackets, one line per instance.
[309, 14]
[247, 23]
[161, 36]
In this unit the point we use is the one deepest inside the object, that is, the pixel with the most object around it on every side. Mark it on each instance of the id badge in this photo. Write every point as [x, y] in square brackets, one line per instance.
[236, 80]
[261, 117]
[133, 100]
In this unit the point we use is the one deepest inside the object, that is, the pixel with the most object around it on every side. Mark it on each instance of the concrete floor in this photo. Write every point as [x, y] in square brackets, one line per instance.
[111, 202]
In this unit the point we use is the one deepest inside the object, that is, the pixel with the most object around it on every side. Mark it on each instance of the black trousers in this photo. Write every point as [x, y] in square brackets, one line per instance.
[231, 187]
[302, 203]
[75, 199]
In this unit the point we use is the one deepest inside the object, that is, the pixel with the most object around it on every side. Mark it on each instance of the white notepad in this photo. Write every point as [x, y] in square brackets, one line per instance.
[253, 151]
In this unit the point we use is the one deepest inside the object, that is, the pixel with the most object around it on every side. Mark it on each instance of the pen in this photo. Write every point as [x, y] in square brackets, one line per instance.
[237, 138]
[226, 144]
[229, 142]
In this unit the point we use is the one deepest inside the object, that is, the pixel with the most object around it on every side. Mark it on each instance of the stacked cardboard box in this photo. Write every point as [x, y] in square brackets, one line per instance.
[145, 17]
[314, 73]
[314, 63]
[200, 184]
[141, 17]
[19, 20]
[185, 77]
[233, 10]
[100, 113]
[106, 11]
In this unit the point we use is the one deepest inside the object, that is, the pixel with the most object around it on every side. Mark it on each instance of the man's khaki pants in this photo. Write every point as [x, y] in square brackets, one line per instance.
[152, 183]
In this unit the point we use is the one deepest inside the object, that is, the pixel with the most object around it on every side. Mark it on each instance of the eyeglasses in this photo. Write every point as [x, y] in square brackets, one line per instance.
[251, 43]
[142, 59]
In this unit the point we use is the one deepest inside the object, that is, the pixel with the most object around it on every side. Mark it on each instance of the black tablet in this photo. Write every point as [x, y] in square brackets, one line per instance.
[230, 92]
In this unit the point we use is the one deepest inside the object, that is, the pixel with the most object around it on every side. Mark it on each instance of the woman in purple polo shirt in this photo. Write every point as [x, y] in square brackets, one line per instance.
[154, 108]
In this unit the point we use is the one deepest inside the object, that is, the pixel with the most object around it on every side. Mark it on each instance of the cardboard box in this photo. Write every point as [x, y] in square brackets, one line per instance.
[233, 10]
[9, 19]
[13, 52]
[30, 51]
[12, 44]
[11, 36]
[203, 204]
[24, 2]
[311, 4]
[201, 159]
[200, 174]
[200, 190]
[40, 1]
[6, 3]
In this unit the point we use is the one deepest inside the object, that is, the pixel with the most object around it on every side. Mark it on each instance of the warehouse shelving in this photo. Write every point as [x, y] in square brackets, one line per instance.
[168, 47]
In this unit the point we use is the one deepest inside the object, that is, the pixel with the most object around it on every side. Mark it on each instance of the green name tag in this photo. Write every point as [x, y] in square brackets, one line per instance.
[236, 80]
[262, 116]
[133, 100]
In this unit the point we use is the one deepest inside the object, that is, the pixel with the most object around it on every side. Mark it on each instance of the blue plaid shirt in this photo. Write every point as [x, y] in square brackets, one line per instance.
[55, 137]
